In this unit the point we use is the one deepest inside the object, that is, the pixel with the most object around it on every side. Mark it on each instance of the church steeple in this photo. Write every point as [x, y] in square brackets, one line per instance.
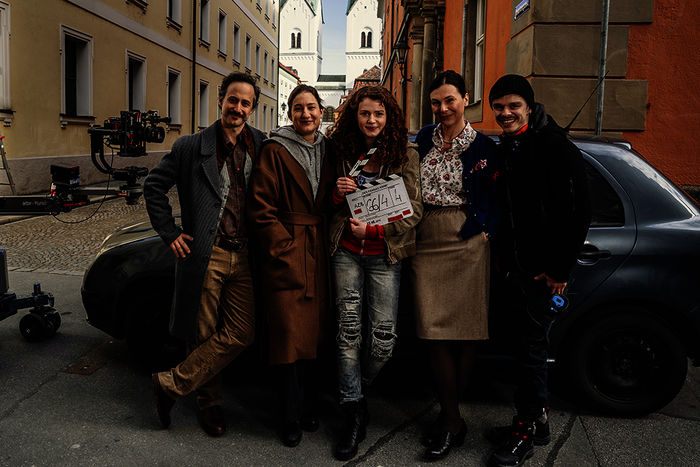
[301, 23]
[362, 38]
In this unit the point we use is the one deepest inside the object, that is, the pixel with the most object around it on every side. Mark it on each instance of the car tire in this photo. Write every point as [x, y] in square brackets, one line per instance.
[627, 363]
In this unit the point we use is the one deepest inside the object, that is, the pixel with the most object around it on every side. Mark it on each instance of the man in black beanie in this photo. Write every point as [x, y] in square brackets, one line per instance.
[547, 213]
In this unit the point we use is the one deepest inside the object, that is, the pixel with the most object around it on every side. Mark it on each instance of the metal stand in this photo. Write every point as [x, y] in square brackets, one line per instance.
[42, 321]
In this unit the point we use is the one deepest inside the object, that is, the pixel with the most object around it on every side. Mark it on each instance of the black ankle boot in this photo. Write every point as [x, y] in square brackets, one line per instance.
[354, 430]
[517, 448]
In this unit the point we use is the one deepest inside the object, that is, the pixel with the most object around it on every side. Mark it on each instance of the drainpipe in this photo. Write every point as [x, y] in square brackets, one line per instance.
[194, 63]
[601, 67]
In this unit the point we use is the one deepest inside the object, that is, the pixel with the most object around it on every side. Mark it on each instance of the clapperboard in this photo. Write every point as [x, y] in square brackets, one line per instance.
[380, 202]
[361, 162]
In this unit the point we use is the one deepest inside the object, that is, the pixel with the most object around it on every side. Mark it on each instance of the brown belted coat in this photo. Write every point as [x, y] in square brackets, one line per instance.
[289, 229]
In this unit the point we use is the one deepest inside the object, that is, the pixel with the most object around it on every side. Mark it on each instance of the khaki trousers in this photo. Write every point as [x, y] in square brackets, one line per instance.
[225, 326]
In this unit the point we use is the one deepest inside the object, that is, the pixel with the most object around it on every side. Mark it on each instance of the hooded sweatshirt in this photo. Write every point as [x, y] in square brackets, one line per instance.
[309, 156]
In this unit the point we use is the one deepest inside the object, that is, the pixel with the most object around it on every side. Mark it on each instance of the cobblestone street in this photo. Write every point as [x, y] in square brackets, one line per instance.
[65, 245]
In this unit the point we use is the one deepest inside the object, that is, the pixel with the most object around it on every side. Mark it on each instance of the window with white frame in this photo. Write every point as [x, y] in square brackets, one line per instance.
[274, 13]
[204, 20]
[76, 65]
[267, 8]
[203, 104]
[272, 119]
[236, 43]
[174, 86]
[257, 59]
[273, 71]
[264, 113]
[5, 103]
[473, 48]
[136, 81]
[222, 32]
[479, 50]
[247, 51]
[175, 11]
[265, 66]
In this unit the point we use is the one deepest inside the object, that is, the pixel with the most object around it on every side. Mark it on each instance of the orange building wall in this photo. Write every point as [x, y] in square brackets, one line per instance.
[497, 36]
[665, 53]
[452, 33]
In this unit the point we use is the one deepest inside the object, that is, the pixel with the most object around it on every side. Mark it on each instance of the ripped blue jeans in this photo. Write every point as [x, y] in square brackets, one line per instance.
[370, 281]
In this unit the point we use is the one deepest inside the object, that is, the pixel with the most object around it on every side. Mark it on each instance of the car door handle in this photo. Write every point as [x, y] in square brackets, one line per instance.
[591, 253]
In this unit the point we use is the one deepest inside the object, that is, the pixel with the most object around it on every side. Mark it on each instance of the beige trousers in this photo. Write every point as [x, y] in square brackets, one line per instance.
[225, 326]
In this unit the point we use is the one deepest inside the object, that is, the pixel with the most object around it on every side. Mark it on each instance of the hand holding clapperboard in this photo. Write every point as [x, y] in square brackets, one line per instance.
[379, 202]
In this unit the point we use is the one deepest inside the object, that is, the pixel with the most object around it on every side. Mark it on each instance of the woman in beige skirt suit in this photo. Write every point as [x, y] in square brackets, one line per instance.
[450, 272]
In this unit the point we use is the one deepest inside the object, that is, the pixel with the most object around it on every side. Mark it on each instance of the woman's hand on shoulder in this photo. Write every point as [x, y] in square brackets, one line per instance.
[345, 185]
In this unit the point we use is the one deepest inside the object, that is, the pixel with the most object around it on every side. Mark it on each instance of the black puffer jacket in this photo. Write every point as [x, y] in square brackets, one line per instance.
[545, 195]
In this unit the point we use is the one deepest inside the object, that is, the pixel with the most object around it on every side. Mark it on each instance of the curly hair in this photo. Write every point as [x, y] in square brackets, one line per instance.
[347, 140]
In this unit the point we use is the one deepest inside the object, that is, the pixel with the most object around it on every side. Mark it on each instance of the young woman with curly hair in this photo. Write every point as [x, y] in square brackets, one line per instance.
[366, 259]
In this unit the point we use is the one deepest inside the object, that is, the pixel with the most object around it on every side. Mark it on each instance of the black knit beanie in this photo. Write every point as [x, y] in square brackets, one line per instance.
[512, 84]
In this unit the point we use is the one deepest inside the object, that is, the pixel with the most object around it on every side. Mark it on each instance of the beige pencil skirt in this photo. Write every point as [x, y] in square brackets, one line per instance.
[450, 278]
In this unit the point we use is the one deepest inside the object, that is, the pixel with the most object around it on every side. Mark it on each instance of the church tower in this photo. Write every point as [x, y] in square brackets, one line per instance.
[300, 37]
[362, 38]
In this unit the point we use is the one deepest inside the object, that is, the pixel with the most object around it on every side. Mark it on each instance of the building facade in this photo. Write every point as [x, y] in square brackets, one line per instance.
[362, 39]
[301, 24]
[556, 45]
[288, 80]
[70, 64]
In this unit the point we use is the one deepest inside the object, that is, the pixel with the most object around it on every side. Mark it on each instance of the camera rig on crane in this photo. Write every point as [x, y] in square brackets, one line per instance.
[127, 135]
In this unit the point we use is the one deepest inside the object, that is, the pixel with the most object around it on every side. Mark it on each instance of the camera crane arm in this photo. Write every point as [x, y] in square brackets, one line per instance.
[129, 134]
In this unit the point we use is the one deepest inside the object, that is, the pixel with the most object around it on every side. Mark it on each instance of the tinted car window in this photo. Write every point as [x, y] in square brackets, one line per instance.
[606, 206]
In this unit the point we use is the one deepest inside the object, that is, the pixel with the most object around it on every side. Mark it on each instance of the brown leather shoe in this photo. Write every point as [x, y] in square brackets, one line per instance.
[164, 403]
[212, 420]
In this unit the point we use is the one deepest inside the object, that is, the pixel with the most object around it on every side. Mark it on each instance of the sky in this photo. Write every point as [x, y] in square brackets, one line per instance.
[333, 37]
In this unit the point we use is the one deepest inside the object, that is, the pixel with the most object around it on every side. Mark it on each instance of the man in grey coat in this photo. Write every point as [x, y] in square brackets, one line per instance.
[213, 306]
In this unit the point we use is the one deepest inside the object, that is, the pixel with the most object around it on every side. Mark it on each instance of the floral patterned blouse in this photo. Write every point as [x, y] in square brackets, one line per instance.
[441, 169]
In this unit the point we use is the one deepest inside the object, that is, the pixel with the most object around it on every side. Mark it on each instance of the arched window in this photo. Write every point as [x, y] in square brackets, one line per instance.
[328, 114]
[296, 39]
[366, 38]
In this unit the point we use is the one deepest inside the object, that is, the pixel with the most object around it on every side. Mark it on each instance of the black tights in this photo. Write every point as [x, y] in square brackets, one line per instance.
[451, 362]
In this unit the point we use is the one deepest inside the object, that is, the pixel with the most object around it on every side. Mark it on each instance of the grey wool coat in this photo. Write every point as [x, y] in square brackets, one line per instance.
[191, 166]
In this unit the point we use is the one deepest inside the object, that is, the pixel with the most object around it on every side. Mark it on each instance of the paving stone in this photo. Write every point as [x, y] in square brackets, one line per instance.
[67, 243]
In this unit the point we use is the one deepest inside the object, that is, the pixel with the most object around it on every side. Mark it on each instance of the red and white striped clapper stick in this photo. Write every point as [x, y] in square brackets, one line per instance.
[361, 162]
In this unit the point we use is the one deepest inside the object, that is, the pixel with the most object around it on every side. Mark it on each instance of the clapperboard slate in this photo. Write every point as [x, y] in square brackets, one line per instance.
[380, 202]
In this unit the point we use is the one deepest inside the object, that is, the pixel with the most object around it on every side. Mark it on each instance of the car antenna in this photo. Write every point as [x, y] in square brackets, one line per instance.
[600, 80]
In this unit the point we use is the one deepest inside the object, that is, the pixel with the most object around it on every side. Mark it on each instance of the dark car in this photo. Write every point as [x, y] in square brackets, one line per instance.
[634, 314]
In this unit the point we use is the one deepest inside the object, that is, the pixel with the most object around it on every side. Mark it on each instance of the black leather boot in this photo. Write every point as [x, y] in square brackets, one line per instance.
[517, 448]
[354, 431]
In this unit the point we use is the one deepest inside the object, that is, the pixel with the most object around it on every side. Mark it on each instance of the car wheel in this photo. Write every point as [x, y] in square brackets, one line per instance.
[628, 363]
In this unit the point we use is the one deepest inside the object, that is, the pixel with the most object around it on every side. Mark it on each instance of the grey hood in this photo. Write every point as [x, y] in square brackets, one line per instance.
[309, 156]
